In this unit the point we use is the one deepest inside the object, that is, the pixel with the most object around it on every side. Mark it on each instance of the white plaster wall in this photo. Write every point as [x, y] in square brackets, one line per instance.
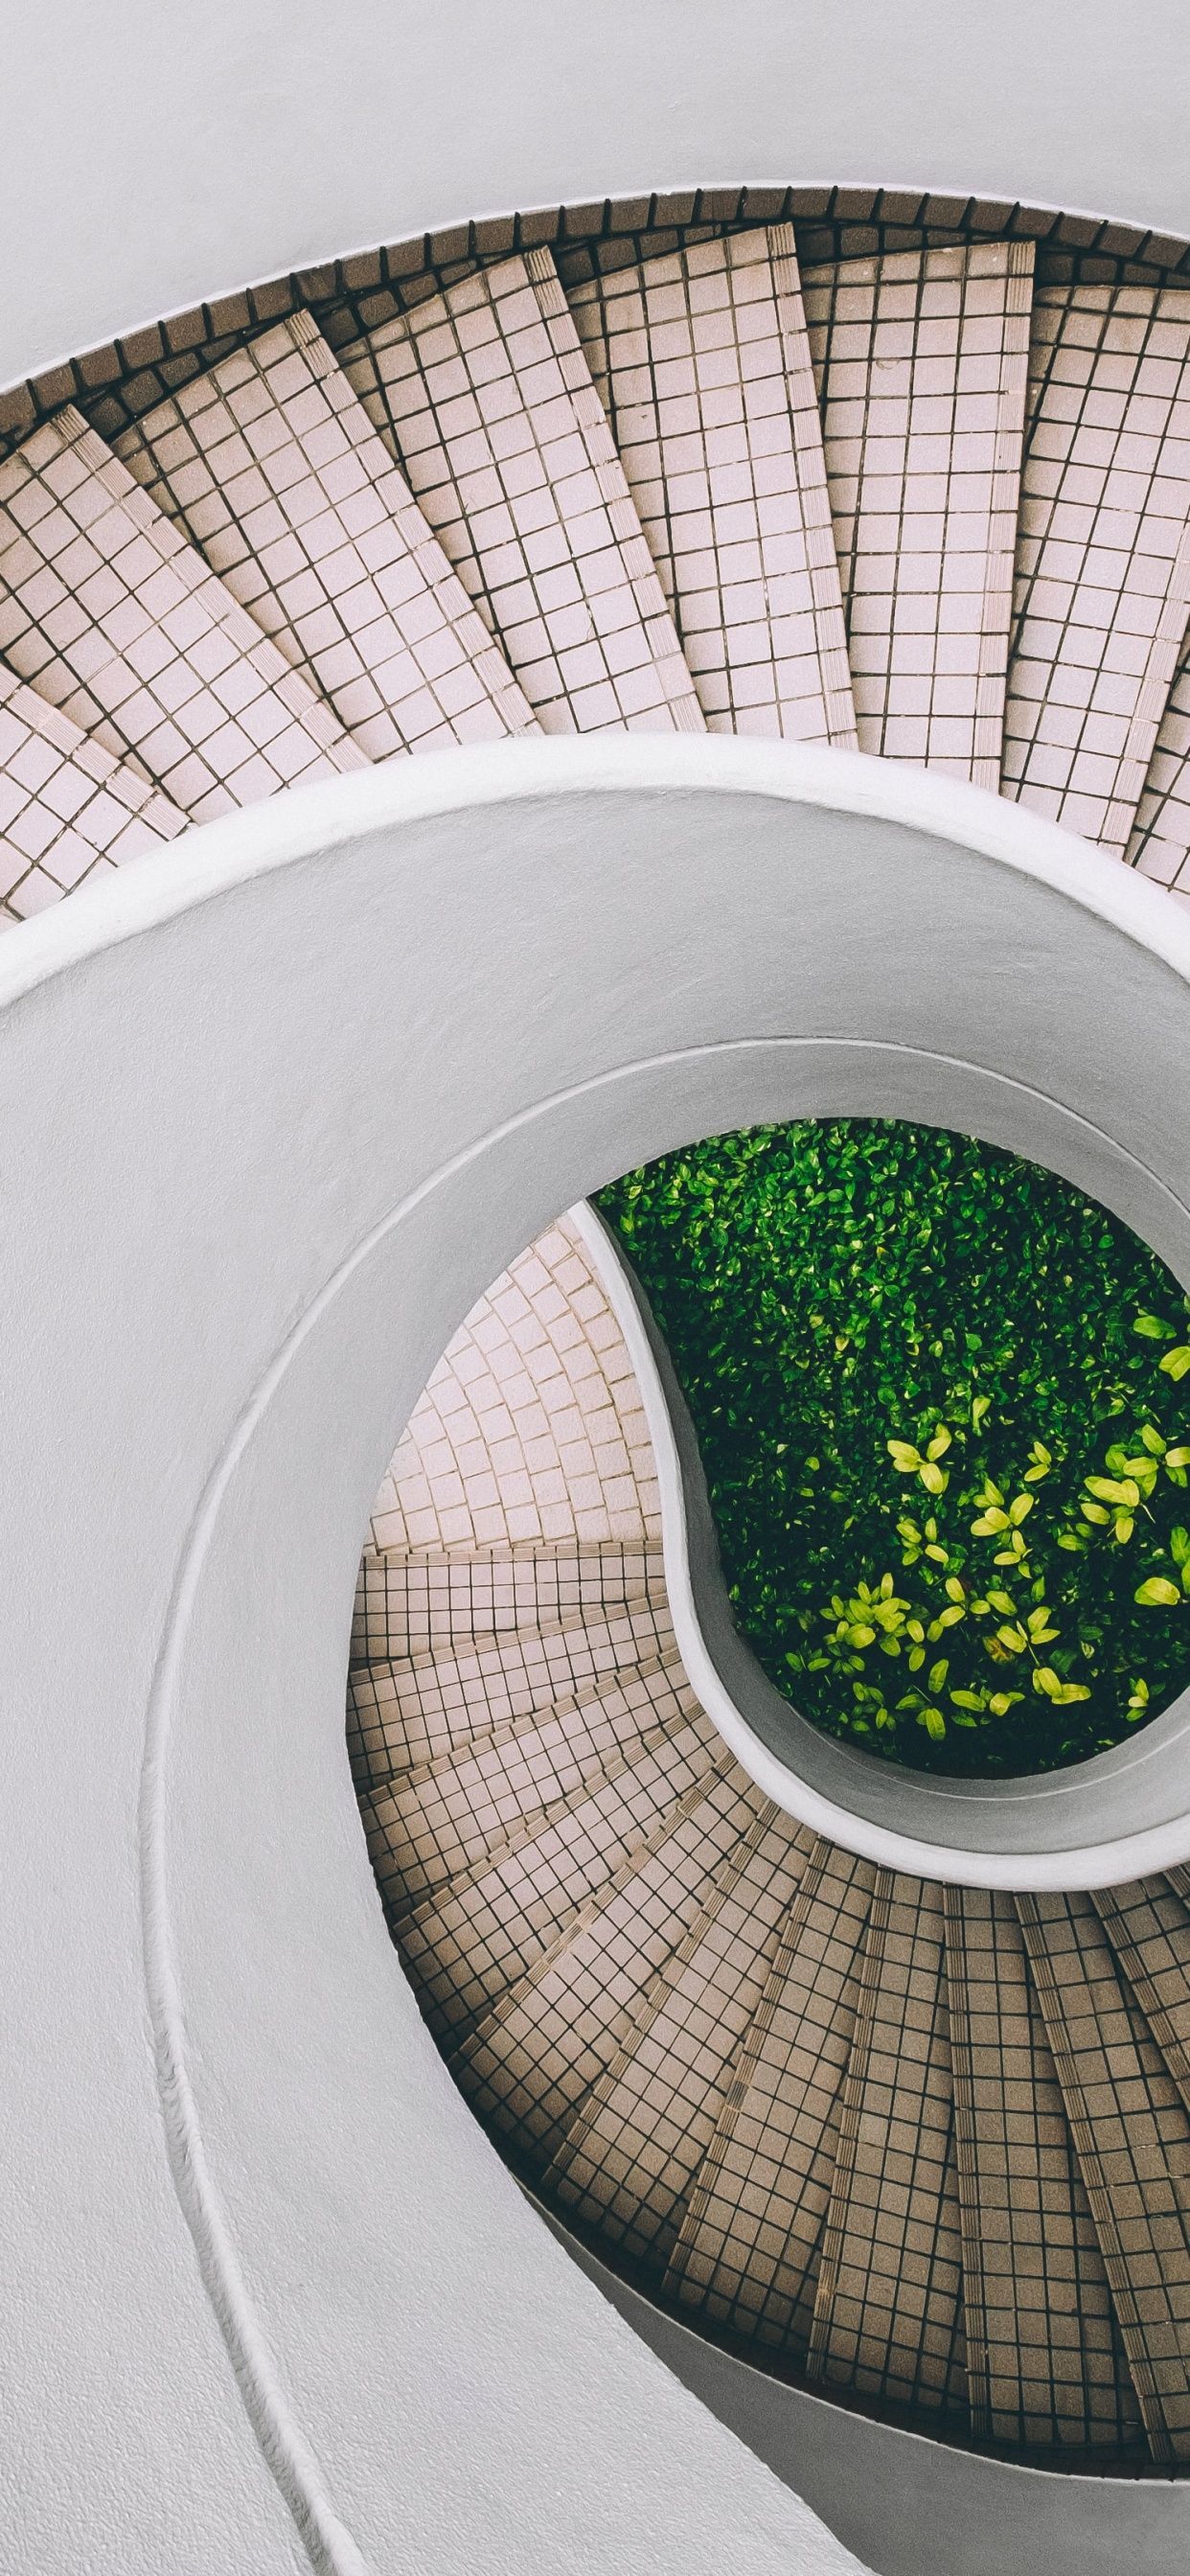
[156, 155]
[272, 1114]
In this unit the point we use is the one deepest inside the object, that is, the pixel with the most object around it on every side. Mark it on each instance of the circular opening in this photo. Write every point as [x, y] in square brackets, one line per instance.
[939, 1398]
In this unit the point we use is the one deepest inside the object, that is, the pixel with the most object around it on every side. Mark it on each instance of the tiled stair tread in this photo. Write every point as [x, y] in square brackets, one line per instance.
[400, 1714]
[1132, 2136]
[1159, 844]
[1148, 1926]
[110, 614]
[273, 466]
[708, 1782]
[1043, 2359]
[405, 1605]
[747, 2250]
[535, 2058]
[921, 359]
[629, 2158]
[443, 1820]
[68, 808]
[888, 2298]
[466, 1944]
[1103, 556]
[702, 359]
[488, 399]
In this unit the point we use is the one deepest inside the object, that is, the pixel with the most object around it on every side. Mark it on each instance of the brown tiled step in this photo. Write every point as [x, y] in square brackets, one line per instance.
[1045, 2365]
[1148, 1926]
[69, 810]
[403, 1713]
[1159, 844]
[747, 2249]
[272, 465]
[433, 1825]
[488, 400]
[921, 359]
[109, 613]
[702, 361]
[465, 1945]
[1103, 554]
[1131, 2134]
[586, 1908]
[888, 2319]
[535, 2057]
[410, 1602]
[625, 2163]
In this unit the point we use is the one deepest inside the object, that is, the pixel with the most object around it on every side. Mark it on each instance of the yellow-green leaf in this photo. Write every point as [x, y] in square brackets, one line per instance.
[1157, 1593]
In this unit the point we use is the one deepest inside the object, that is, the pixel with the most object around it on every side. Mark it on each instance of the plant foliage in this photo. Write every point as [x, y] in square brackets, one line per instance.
[938, 1396]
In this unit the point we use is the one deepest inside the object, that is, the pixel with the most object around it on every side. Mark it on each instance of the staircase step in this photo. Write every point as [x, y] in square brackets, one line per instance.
[888, 2300]
[702, 360]
[488, 400]
[466, 1945]
[535, 2057]
[1044, 2365]
[407, 1604]
[400, 1714]
[1148, 1926]
[446, 1818]
[1132, 2136]
[69, 810]
[627, 2160]
[271, 463]
[1159, 844]
[747, 2250]
[1103, 557]
[112, 617]
[921, 359]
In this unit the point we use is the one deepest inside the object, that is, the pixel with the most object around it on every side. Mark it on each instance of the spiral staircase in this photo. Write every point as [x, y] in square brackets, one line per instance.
[924, 493]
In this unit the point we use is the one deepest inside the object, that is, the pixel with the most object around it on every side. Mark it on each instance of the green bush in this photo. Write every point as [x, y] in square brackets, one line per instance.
[938, 1398]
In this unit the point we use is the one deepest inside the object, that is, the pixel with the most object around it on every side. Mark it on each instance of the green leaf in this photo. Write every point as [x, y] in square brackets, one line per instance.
[904, 1456]
[934, 1723]
[935, 1479]
[1152, 1440]
[1157, 1593]
[1176, 1363]
[1151, 1327]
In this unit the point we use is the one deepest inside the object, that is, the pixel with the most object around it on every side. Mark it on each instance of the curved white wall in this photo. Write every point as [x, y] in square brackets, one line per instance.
[158, 156]
[272, 1112]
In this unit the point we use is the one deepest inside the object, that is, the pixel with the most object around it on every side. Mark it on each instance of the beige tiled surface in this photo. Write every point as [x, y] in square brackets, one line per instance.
[402, 1713]
[1132, 2136]
[534, 2060]
[747, 2249]
[489, 401]
[888, 2298]
[272, 464]
[1159, 844]
[466, 1945]
[532, 1426]
[1043, 2358]
[111, 616]
[634, 2149]
[411, 1605]
[1103, 558]
[1148, 1926]
[436, 1822]
[702, 359]
[921, 358]
[68, 808]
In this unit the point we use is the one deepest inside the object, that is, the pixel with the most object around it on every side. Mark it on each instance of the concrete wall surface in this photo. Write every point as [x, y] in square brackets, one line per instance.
[272, 1112]
[156, 156]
